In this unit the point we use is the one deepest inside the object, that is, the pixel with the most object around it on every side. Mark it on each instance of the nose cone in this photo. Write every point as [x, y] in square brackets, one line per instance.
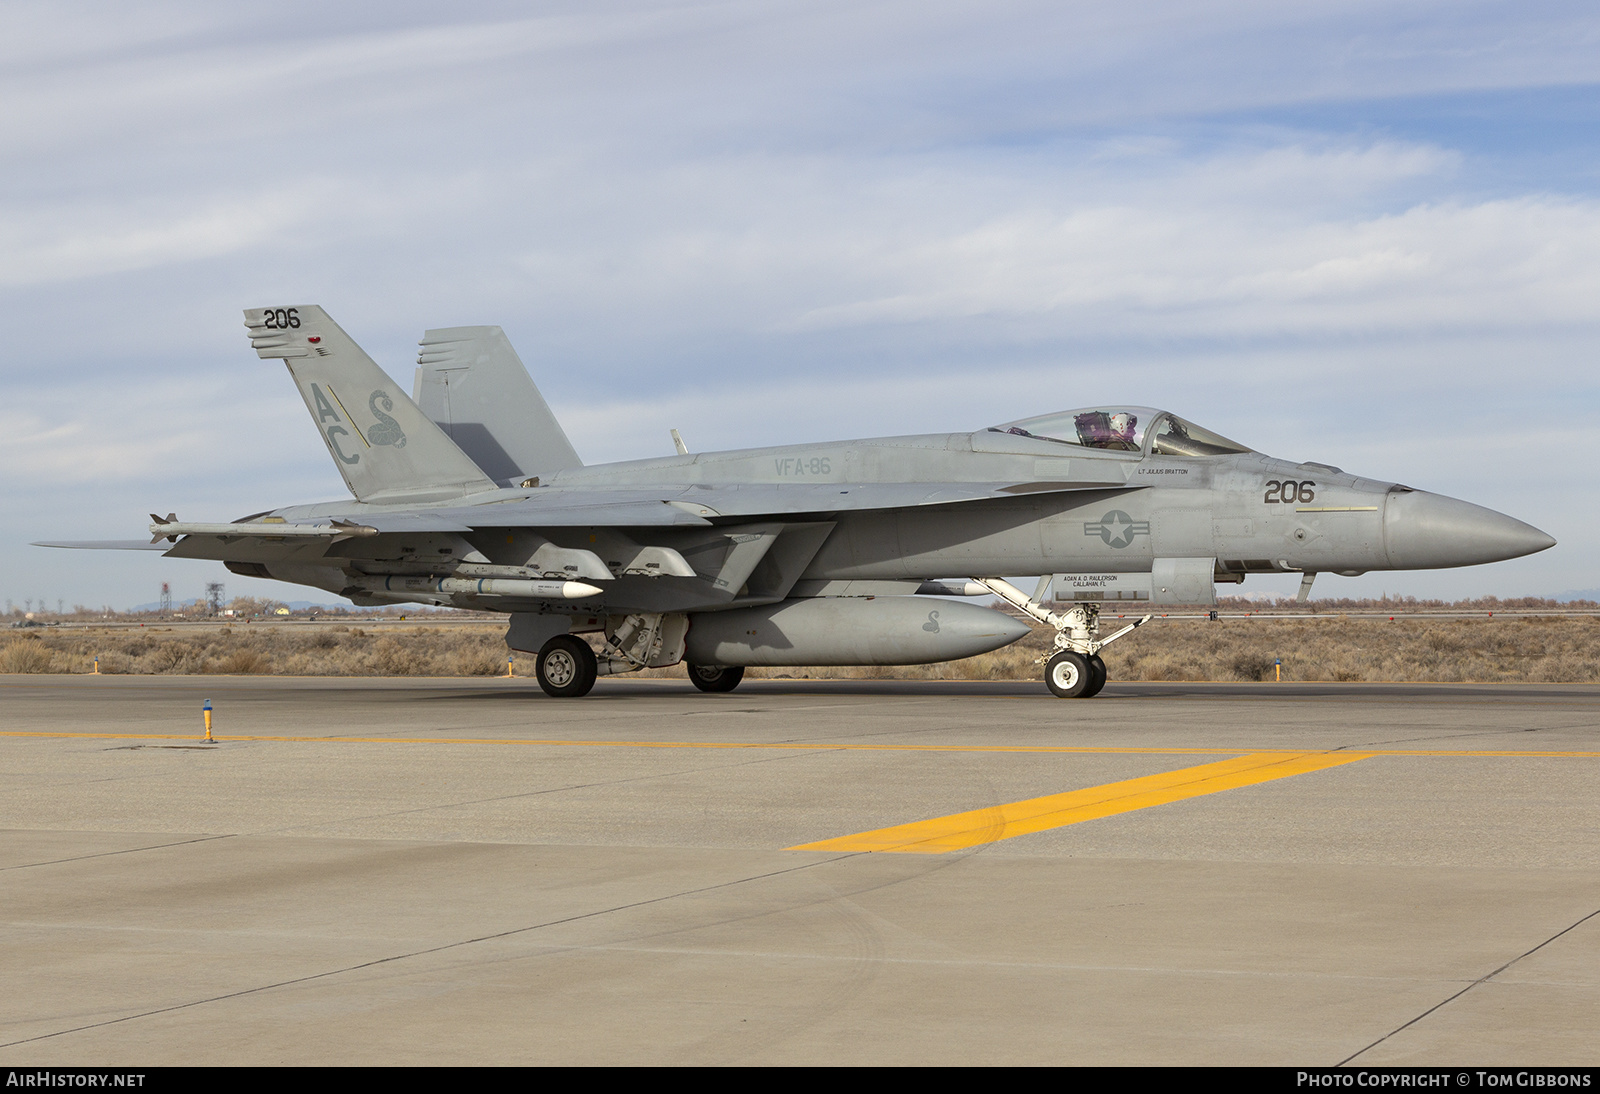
[1423, 531]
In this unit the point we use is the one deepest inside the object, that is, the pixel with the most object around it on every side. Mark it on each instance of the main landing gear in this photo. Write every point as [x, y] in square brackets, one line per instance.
[567, 667]
[715, 677]
[1073, 670]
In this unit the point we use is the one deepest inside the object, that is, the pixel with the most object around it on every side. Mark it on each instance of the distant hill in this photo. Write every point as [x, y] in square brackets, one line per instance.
[155, 605]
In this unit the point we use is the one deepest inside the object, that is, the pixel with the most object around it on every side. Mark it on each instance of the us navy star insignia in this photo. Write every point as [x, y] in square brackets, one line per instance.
[1116, 528]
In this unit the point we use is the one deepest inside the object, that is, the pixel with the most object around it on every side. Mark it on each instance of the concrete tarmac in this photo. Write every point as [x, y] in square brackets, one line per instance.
[408, 871]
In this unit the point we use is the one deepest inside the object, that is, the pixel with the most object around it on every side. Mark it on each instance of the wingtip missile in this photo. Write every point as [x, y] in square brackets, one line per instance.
[337, 530]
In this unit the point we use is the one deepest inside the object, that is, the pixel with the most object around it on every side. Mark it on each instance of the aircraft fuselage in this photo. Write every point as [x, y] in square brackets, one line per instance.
[1068, 510]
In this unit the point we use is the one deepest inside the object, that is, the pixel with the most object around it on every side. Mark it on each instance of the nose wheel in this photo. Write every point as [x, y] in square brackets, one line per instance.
[1098, 668]
[1071, 675]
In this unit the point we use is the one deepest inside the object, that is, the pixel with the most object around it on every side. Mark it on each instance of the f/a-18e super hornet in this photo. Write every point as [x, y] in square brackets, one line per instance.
[470, 495]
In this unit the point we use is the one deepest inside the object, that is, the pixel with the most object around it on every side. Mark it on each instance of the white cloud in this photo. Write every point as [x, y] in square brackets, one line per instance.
[59, 243]
[74, 436]
[1188, 272]
[1237, 244]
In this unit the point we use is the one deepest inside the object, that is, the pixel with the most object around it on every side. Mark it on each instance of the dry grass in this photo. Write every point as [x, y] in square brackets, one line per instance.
[24, 656]
[1544, 649]
[1531, 648]
[301, 650]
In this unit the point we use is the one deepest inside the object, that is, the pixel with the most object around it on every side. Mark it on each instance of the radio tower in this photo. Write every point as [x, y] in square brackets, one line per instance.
[166, 600]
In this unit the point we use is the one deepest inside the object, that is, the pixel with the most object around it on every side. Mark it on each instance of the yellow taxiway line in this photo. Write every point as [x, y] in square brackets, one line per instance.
[959, 830]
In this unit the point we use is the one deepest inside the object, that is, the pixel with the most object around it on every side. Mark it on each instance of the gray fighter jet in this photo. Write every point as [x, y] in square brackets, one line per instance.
[842, 553]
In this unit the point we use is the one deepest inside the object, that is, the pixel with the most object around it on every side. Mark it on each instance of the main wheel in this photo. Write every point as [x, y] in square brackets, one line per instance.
[1068, 675]
[716, 677]
[566, 667]
[1097, 680]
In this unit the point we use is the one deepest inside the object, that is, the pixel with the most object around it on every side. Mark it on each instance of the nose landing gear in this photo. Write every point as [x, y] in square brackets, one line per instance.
[1073, 670]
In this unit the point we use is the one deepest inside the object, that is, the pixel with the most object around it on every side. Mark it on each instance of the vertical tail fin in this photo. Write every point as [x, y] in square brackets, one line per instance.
[385, 447]
[472, 384]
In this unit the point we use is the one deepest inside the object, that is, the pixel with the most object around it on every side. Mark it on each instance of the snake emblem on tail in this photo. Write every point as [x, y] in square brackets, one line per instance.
[387, 431]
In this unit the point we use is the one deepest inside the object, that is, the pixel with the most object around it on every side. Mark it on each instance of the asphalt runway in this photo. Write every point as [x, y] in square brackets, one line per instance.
[410, 871]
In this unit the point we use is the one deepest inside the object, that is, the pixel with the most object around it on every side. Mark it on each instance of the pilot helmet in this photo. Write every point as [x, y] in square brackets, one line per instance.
[1122, 422]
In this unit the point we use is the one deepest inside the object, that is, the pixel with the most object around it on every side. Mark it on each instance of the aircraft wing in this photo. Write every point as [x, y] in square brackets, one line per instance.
[309, 539]
[672, 506]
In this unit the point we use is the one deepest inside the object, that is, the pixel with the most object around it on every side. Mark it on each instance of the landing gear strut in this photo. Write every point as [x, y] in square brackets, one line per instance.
[1073, 670]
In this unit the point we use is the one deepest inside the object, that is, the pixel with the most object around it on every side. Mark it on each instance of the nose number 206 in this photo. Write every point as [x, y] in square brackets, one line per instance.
[1289, 491]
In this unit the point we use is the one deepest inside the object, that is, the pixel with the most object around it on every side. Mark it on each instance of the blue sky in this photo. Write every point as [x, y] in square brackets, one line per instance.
[1361, 233]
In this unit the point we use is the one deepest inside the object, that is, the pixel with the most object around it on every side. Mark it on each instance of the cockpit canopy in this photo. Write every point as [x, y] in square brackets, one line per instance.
[1124, 429]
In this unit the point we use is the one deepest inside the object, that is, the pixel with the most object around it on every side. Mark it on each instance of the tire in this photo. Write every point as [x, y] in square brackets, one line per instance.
[566, 667]
[1068, 675]
[1097, 677]
[715, 677]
